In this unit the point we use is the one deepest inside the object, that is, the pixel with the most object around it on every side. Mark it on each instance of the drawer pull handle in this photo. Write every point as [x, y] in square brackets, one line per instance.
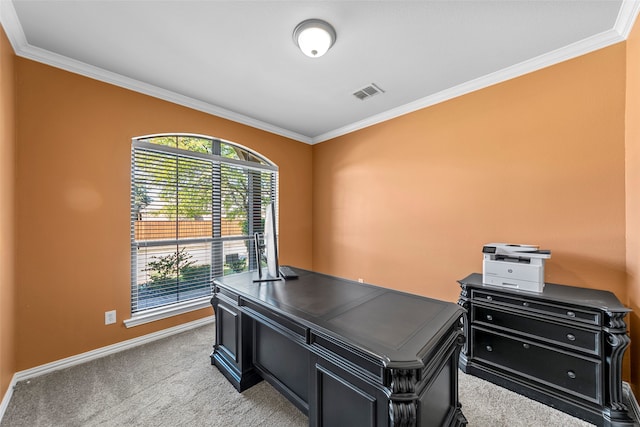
[489, 348]
[571, 314]
[489, 298]
[571, 337]
[571, 374]
[489, 317]
[526, 304]
[525, 345]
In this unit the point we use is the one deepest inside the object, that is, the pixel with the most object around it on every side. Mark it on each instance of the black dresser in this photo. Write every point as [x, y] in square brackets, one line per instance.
[345, 353]
[562, 347]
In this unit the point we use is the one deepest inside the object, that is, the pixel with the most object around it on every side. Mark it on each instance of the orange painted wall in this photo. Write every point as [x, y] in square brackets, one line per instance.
[73, 180]
[540, 159]
[632, 170]
[7, 183]
[405, 204]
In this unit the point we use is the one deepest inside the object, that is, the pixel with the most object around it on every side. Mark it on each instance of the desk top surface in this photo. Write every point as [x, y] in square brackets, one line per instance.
[390, 325]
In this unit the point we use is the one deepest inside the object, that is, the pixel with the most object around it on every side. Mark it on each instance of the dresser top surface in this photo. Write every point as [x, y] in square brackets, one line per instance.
[593, 298]
[389, 324]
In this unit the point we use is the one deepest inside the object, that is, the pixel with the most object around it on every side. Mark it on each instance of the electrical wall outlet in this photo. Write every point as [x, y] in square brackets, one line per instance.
[360, 280]
[109, 317]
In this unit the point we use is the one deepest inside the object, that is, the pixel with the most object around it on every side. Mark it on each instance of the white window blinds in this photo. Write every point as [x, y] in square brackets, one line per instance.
[195, 204]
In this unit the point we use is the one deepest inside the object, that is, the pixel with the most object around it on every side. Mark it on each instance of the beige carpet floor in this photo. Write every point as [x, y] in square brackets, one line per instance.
[171, 382]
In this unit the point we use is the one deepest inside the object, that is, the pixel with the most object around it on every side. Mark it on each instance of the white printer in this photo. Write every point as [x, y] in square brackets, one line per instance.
[514, 266]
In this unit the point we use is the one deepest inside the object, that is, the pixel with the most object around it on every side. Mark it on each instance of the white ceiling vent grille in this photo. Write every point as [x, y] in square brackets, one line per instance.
[368, 92]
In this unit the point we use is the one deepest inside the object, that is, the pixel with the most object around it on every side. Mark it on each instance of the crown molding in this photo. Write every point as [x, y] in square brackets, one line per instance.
[582, 47]
[77, 67]
[22, 48]
[11, 25]
[626, 17]
[624, 23]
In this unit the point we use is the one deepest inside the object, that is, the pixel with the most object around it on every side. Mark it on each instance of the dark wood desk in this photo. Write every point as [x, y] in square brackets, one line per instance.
[345, 353]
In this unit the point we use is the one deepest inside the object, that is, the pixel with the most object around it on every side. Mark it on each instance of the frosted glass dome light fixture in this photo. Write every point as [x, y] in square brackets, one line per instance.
[314, 37]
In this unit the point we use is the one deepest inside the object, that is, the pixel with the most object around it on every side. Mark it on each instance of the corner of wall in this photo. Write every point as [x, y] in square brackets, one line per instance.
[7, 218]
[632, 198]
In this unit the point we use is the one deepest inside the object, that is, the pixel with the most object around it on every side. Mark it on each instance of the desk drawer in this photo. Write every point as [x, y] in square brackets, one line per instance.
[566, 336]
[568, 373]
[557, 311]
[281, 323]
[336, 352]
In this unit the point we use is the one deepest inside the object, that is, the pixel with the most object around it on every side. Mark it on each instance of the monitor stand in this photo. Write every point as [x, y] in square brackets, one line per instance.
[264, 277]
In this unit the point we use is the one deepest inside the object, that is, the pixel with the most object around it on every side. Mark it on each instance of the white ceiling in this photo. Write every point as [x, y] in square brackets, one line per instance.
[237, 59]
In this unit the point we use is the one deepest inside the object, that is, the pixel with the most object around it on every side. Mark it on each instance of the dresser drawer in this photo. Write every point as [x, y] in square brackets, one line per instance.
[553, 368]
[556, 333]
[531, 304]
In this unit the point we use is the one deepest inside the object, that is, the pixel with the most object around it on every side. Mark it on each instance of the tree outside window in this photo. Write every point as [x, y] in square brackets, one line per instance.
[196, 203]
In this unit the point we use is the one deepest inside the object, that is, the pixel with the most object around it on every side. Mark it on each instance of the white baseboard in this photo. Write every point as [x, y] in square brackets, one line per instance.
[95, 354]
[7, 397]
[630, 399]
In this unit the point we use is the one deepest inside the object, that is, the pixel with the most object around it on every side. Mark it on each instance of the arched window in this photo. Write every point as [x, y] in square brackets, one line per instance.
[195, 203]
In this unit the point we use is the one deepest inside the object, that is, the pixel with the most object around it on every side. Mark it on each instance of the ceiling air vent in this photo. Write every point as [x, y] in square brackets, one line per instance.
[368, 92]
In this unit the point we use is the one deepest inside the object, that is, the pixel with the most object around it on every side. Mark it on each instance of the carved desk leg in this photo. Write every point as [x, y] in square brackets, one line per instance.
[411, 403]
[463, 302]
[460, 419]
[403, 413]
[616, 342]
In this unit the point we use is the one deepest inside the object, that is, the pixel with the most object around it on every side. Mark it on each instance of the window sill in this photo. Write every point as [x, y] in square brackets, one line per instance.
[154, 314]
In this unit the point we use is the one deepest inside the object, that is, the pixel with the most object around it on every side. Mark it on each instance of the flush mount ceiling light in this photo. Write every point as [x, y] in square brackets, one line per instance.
[314, 37]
